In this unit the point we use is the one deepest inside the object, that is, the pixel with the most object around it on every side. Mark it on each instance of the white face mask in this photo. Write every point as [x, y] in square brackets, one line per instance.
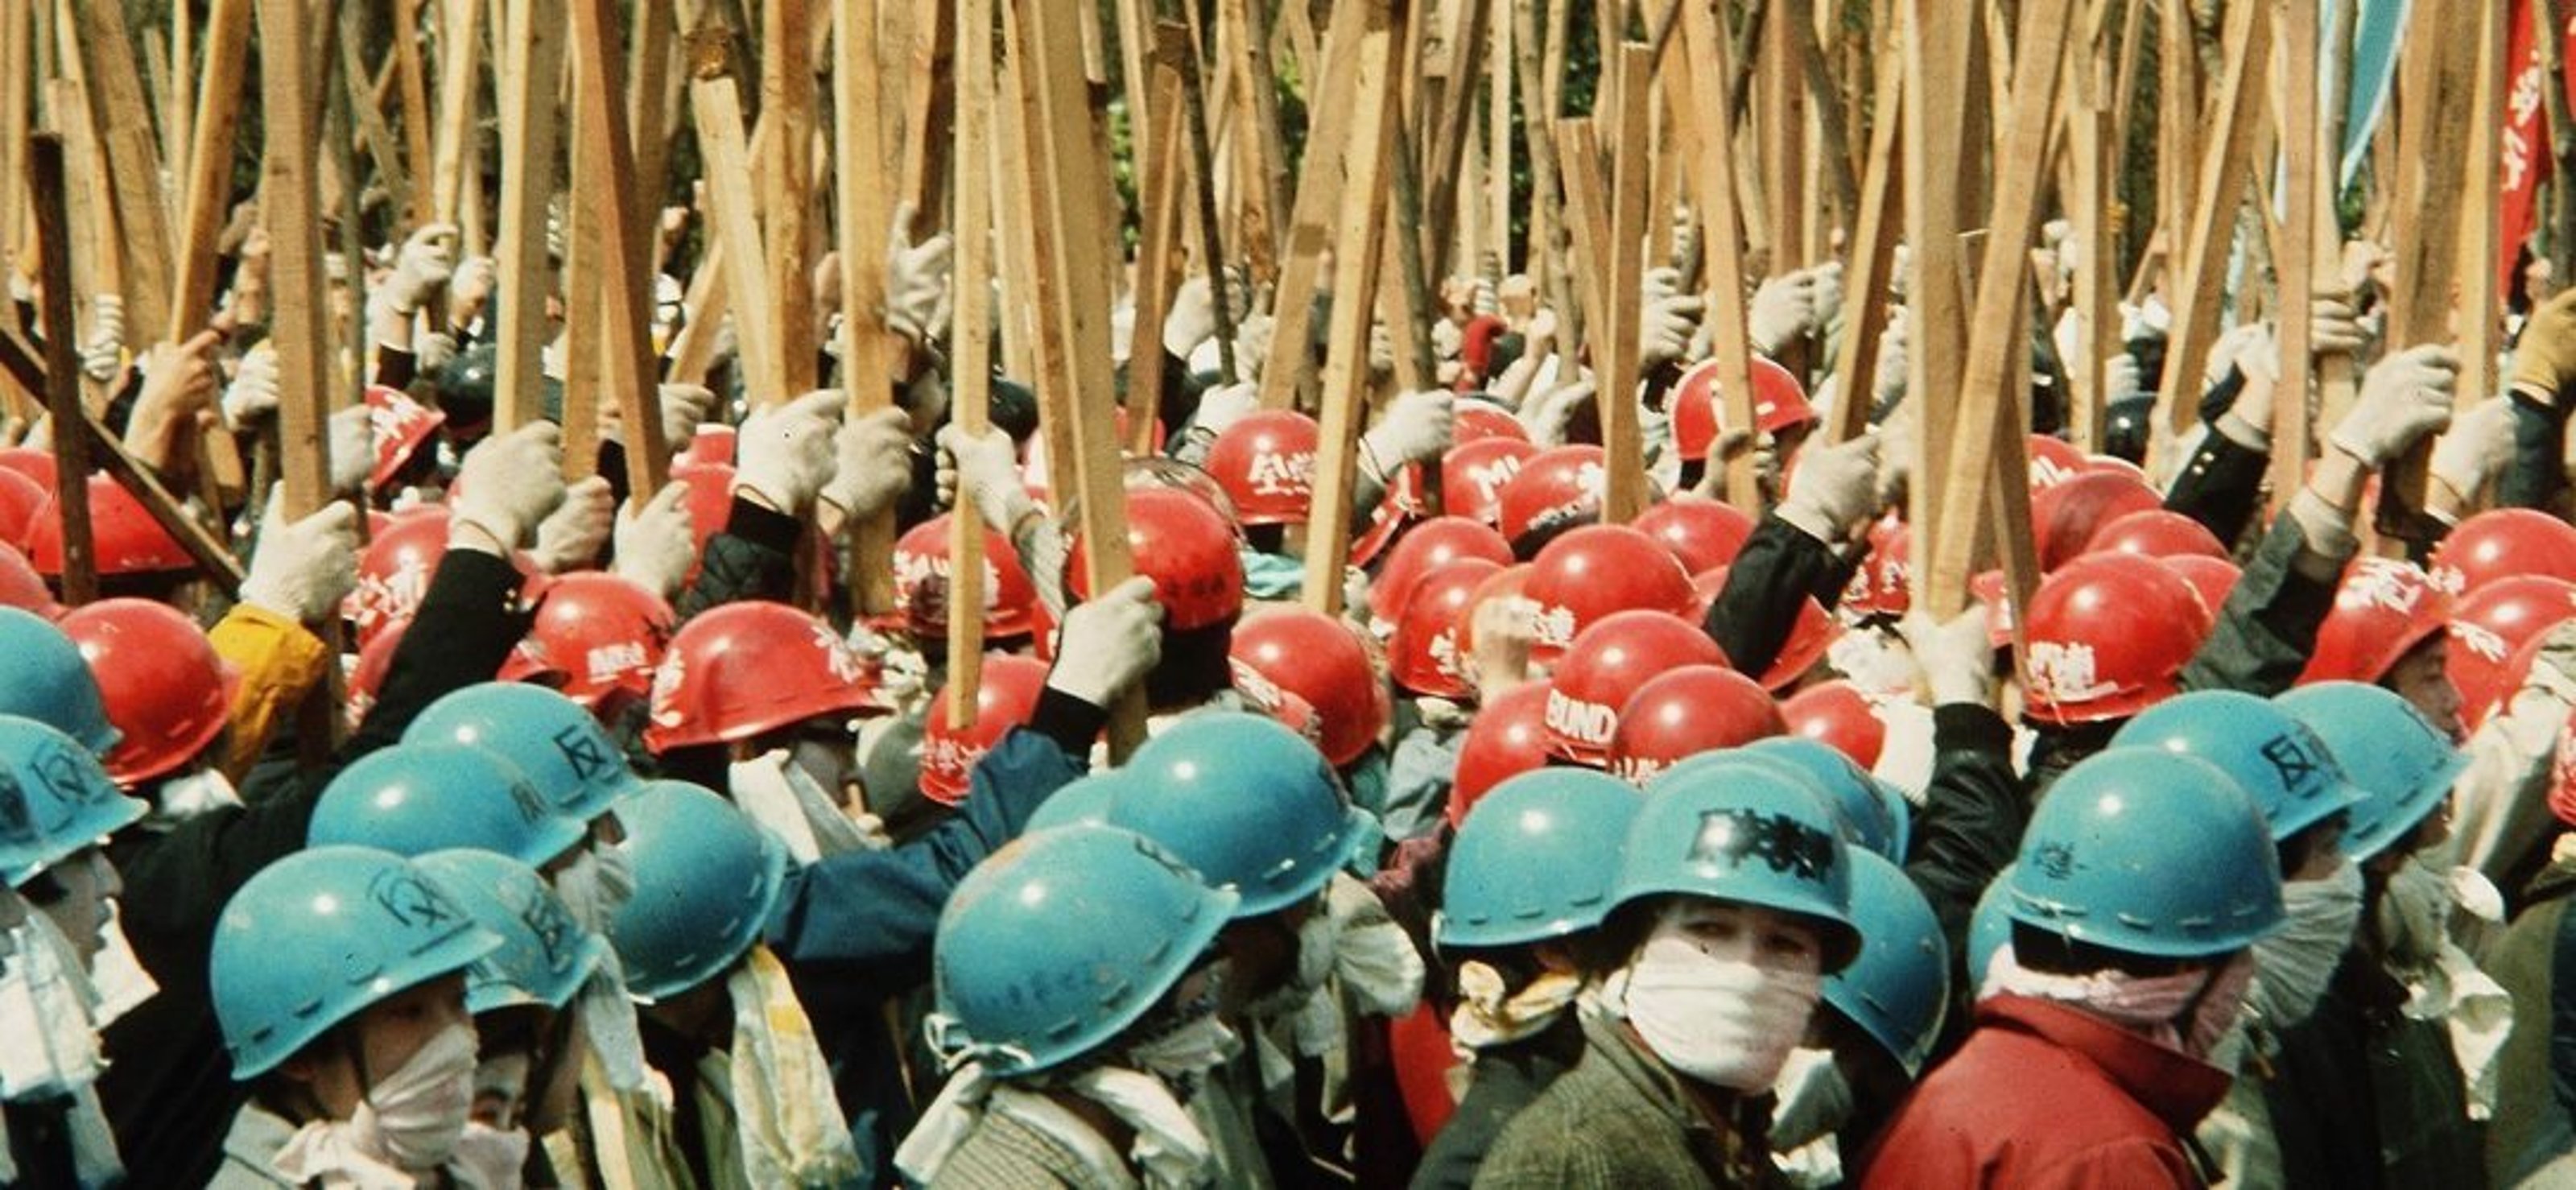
[1725, 1022]
[2294, 965]
[596, 884]
[187, 796]
[414, 1116]
[1187, 1050]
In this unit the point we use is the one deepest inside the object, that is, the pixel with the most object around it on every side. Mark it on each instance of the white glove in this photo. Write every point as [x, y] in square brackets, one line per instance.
[1191, 319]
[2250, 348]
[1957, 657]
[1415, 427]
[657, 542]
[104, 351]
[1667, 321]
[509, 483]
[786, 451]
[2479, 444]
[2334, 329]
[1835, 489]
[570, 537]
[2121, 379]
[1548, 416]
[2403, 398]
[1109, 643]
[1447, 340]
[304, 569]
[1888, 386]
[428, 259]
[253, 393]
[872, 464]
[916, 281]
[984, 468]
[1783, 308]
[353, 449]
[432, 351]
[1220, 408]
[685, 407]
[1828, 297]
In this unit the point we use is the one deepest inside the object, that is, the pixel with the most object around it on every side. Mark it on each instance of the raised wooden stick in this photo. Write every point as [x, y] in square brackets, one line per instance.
[1722, 245]
[296, 326]
[1163, 170]
[860, 193]
[1936, 53]
[1873, 255]
[626, 295]
[121, 127]
[717, 107]
[972, 374]
[1358, 226]
[1617, 349]
[529, 139]
[2304, 196]
[2199, 265]
[209, 165]
[1289, 362]
[62, 367]
[459, 53]
[787, 104]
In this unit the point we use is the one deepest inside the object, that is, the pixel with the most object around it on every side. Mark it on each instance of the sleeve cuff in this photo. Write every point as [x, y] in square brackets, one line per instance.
[1071, 722]
[763, 527]
[1969, 727]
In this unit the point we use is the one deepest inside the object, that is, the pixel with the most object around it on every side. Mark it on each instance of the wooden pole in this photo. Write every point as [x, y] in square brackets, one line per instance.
[1358, 223]
[392, 172]
[1309, 231]
[530, 136]
[1163, 172]
[1722, 246]
[717, 108]
[860, 193]
[460, 53]
[1783, 127]
[209, 165]
[297, 323]
[1873, 255]
[972, 375]
[2200, 263]
[1936, 68]
[2481, 304]
[787, 104]
[17, 97]
[121, 127]
[626, 294]
[1617, 349]
[2437, 108]
[62, 367]
[2297, 255]
[1261, 154]
[412, 77]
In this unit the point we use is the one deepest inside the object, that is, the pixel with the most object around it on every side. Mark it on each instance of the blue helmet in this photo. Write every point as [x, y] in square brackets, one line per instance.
[707, 878]
[55, 799]
[545, 956]
[1989, 927]
[1084, 799]
[1899, 987]
[1877, 815]
[2403, 764]
[413, 799]
[47, 681]
[1246, 802]
[2272, 755]
[561, 747]
[1536, 858]
[1058, 942]
[1743, 830]
[316, 937]
[2148, 852]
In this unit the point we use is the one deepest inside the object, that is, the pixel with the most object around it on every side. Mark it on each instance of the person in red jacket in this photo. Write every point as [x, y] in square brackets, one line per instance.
[2142, 884]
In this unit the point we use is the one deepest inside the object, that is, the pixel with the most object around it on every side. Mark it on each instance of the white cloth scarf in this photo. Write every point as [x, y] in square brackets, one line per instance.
[780, 795]
[786, 1115]
[49, 1022]
[411, 1121]
[1814, 1102]
[2153, 1007]
[2294, 965]
[1490, 1014]
[1170, 1149]
[2442, 982]
[1348, 942]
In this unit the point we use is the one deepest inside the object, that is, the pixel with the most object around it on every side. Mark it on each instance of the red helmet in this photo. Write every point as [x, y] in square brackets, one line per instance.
[597, 634]
[21, 499]
[1475, 473]
[1156, 471]
[1005, 697]
[1683, 712]
[2115, 465]
[22, 588]
[1700, 532]
[398, 425]
[2500, 543]
[1187, 548]
[367, 677]
[1425, 655]
[1884, 583]
[1320, 661]
[1699, 411]
[393, 573]
[1553, 488]
[1033, 464]
[1476, 419]
[735, 671]
[921, 582]
[2214, 578]
[1605, 667]
[1839, 716]
[126, 538]
[2064, 518]
[1266, 463]
[2108, 636]
[1590, 572]
[35, 464]
[1507, 738]
[1431, 545]
[2490, 626]
[2053, 461]
[2385, 607]
[166, 690]
[1811, 635]
[2157, 533]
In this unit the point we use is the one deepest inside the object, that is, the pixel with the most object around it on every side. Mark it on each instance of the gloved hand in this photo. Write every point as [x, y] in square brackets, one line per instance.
[1447, 340]
[2479, 444]
[2403, 398]
[2545, 360]
[2334, 329]
[178, 385]
[1548, 415]
[104, 351]
[1887, 386]
[916, 281]
[1828, 295]
[656, 543]
[353, 449]
[1835, 489]
[2121, 379]
[1220, 408]
[253, 393]
[872, 464]
[1191, 319]
[303, 569]
[785, 451]
[470, 289]
[1416, 426]
[432, 351]
[2250, 348]
[509, 483]
[1667, 319]
[570, 537]
[985, 469]
[1957, 656]
[1783, 309]
[1109, 643]
[1381, 350]
[428, 259]
[685, 407]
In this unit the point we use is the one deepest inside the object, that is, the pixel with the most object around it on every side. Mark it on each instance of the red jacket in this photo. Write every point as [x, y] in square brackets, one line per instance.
[2047, 1095]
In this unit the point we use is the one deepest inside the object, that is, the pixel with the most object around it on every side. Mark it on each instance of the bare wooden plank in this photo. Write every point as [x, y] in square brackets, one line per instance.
[972, 377]
[717, 108]
[1163, 171]
[209, 167]
[17, 98]
[459, 61]
[2201, 258]
[121, 125]
[45, 171]
[530, 139]
[1722, 244]
[1617, 349]
[787, 104]
[1261, 154]
[1868, 279]
[1358, 223]
[1936, 54]
[868, 352]
[1285, 371]
[626, 293]
[392, 173]
[411, 79]
[1783, 108]
[2296, 256]
[1587, 217]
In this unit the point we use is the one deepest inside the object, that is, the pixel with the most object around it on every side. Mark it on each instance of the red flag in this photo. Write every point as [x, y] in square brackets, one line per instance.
[2524, 160]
